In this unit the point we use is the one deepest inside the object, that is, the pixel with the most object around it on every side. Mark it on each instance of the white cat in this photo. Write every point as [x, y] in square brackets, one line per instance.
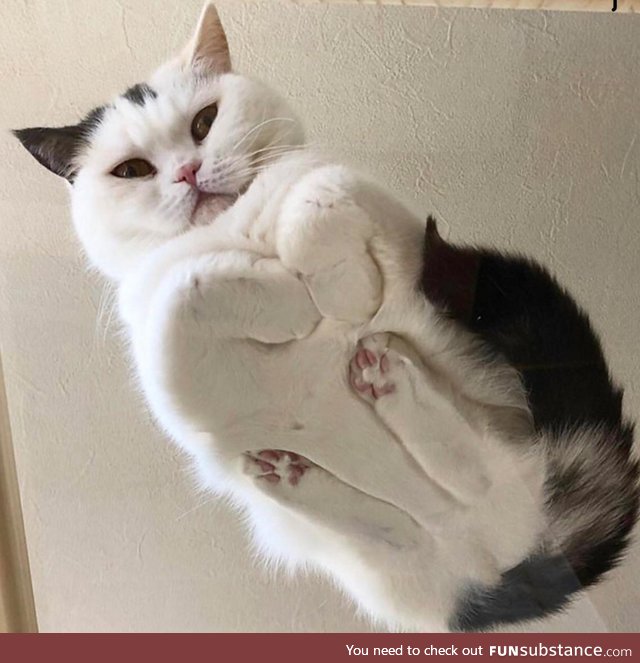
[271, 299]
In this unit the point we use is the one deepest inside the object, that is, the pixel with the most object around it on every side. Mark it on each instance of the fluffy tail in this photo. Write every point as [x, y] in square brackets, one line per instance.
[592, 497]
[592, 505]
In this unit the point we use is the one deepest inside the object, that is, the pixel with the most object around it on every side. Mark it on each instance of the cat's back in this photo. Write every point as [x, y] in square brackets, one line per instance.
[521, 313]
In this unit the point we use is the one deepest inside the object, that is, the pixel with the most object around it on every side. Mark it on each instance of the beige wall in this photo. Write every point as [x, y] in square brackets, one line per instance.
[517, 129]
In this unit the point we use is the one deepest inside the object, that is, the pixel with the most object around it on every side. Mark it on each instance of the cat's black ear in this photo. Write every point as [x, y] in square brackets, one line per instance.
[432, 236]
[208, 47]
[54, 148]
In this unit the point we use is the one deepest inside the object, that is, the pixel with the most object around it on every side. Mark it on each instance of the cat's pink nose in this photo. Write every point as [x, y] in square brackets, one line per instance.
[187, 172]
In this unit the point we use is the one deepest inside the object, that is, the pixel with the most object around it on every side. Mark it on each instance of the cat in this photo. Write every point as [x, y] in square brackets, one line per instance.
[274, 305]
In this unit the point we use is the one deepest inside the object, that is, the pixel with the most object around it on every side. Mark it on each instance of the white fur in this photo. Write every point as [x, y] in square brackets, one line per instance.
[243, 322]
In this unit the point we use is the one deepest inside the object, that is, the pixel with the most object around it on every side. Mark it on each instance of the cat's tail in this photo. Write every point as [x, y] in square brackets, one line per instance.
[592, 496]
[592, 504]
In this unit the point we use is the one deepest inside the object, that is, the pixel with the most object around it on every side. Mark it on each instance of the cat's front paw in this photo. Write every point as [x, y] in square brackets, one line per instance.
[374, 369]
[274, 466]
[325, 237]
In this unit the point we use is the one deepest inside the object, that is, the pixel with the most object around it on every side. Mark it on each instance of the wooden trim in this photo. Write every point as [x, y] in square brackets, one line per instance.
[622, 6]
[17, 609]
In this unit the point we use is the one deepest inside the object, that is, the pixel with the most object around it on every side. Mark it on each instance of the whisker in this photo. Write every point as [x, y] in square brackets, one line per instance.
[209, 500]
[106, 306]
[261, 160]
[259, 126]
[276, 148]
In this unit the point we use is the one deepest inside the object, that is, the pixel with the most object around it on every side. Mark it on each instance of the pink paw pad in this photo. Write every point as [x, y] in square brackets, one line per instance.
[271, 466]
[368, 373]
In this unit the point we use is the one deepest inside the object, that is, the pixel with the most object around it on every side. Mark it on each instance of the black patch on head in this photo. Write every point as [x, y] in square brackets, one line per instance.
[538, 586]
[56, 148]
[139, 93]
[92, 120]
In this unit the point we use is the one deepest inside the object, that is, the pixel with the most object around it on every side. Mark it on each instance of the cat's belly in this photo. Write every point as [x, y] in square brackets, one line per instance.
[248, 396]
[221, 397]
[243, 395]
[237, 388]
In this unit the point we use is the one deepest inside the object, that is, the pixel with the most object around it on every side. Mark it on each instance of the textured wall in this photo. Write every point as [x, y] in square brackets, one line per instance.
[518, 129]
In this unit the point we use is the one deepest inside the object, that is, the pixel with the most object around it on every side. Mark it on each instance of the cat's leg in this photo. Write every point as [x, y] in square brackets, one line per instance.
[315, 494]
[415, 404]
[324, 235]
[239, 294]
[396, 570]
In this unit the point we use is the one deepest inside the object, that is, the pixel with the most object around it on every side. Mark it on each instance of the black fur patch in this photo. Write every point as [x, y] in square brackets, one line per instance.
[139, 93]
[521, 313]
[56, 148]
[540, 585]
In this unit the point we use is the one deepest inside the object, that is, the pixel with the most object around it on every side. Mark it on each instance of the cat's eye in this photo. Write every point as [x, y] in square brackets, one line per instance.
[202, 122]
[133, 168]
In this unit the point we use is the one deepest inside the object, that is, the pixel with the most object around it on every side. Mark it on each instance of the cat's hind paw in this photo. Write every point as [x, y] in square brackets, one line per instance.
[373, 368]
[273, 466]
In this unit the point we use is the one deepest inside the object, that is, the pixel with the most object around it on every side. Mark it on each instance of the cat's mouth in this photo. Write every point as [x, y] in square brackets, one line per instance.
[209, 205]
[210, 200]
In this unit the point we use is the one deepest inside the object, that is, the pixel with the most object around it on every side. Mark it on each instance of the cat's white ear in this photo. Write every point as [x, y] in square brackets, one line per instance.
[208, 47]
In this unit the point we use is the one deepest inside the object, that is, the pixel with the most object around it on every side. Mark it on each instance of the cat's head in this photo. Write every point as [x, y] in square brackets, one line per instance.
[167, 154]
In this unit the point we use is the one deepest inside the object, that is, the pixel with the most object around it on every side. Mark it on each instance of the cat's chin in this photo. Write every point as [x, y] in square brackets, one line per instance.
[211, 205]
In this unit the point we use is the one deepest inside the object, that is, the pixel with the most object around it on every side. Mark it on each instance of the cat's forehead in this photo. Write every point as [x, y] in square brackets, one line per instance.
[154, 111]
